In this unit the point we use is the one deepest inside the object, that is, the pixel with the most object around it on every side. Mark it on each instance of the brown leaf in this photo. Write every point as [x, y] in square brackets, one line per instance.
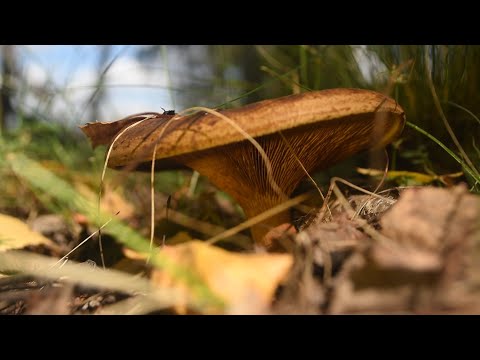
[406, 258]
[444, 222]
[363, 286]
[428, 218]
[246, 282]
[321, 245]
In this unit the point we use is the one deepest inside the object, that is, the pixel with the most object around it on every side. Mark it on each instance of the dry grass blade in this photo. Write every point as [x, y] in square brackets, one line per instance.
[65, 257]
[379, 185]
[333, 185]
[113, 143]
[374, 234]
[207, 228]
[152, 190]
[103, 177]
[152, 202]
[260, 217]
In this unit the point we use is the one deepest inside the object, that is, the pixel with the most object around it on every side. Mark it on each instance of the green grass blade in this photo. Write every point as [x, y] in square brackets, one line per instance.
[471, 172]
[43, 180]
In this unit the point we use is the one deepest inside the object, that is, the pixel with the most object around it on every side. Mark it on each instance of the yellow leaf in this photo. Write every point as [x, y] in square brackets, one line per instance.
[15, 234]
[415, 177]
[246, 282]
[392, 175]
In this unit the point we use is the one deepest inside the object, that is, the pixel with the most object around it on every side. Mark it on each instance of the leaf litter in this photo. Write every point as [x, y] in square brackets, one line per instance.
[427, 264]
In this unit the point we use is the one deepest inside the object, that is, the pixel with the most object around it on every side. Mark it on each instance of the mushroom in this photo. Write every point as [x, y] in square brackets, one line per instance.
[318, 128]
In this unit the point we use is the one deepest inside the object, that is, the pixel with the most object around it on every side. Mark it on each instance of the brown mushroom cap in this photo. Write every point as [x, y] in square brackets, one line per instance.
[321, 127]
[203, 131]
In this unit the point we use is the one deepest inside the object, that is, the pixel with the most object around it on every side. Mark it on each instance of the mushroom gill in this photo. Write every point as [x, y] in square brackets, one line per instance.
[239, 169]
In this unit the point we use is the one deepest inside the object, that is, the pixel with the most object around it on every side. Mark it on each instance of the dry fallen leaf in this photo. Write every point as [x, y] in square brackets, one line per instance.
[15, 234]
[363, 288]
[246, 282]
[430, 218]
[319, 251]
[422, 264]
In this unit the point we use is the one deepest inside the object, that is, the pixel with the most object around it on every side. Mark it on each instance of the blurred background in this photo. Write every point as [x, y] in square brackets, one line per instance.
[65, 86]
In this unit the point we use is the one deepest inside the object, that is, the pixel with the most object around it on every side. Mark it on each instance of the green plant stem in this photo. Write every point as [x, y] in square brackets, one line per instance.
[471, 172]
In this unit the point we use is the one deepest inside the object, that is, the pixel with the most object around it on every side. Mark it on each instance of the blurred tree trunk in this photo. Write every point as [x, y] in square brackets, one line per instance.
[102, 67]
[8, 70]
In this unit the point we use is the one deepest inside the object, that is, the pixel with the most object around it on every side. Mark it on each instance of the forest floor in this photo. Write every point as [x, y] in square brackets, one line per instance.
[412, 250]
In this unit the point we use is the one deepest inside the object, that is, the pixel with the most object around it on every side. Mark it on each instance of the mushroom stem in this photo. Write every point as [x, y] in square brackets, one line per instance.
[252, 197]
[261, 229]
